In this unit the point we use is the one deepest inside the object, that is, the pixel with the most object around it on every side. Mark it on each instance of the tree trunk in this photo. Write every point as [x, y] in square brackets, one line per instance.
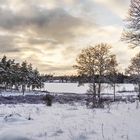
[11, 86]
[99, 87]
[139, 90]
[16, 87]
[23, 89]
[99, 90]
[6, 86]
[114, 91]
[94, 94]
[93, 90]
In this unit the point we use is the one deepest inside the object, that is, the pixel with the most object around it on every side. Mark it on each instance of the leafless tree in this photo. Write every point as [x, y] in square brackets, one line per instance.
[131, 33]
[86, 66]
[102, 58]
[92, 61]
[134, 71]
[113, 70]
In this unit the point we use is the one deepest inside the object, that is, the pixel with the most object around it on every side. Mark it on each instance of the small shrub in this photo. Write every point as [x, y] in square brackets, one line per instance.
[48, 99]
[136, 89]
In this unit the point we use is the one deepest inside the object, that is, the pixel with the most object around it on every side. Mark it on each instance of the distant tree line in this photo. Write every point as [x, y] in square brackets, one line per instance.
[119, 78]
[16, 75]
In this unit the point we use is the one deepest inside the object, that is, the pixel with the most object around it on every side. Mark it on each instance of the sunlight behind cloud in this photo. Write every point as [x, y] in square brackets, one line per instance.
[50, 33]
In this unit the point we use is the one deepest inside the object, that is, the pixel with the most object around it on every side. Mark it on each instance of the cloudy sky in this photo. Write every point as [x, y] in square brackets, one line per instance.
[50, 33]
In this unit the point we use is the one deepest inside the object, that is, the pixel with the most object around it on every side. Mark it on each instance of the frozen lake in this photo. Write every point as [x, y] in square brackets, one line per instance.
[74, 88]
[121, 89]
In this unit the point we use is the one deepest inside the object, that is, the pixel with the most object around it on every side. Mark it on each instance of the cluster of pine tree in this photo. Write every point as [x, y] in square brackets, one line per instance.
[16, 75]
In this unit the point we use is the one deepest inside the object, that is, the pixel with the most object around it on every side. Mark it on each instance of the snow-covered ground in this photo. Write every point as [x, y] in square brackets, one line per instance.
[121, 89]
[119, 121]
[69, 122]
[74, 88]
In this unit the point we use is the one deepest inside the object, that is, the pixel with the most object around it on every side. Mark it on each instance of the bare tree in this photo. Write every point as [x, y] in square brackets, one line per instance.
[131, 33]
[94, 61]
[86, 66]
[113, 70]
[102, 58]
[134, 71]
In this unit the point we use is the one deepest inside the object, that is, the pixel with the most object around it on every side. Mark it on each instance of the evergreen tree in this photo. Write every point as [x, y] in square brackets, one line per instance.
[24, 75]
[16, 74]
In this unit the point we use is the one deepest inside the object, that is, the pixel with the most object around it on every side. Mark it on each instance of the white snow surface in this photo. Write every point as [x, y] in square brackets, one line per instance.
[75, 88]
[69, 122]
[121, 89]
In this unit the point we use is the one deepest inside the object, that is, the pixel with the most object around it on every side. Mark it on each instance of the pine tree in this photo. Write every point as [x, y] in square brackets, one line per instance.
[23, 75]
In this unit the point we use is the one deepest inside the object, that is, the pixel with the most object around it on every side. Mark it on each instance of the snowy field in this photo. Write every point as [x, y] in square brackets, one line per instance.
[118, 121]
[75, 88]
[121, 89]
[69, 122]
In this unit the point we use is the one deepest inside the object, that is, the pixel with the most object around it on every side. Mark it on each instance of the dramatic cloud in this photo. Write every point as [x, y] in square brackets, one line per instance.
[50, 33]
[7, 44]
[56, 24]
